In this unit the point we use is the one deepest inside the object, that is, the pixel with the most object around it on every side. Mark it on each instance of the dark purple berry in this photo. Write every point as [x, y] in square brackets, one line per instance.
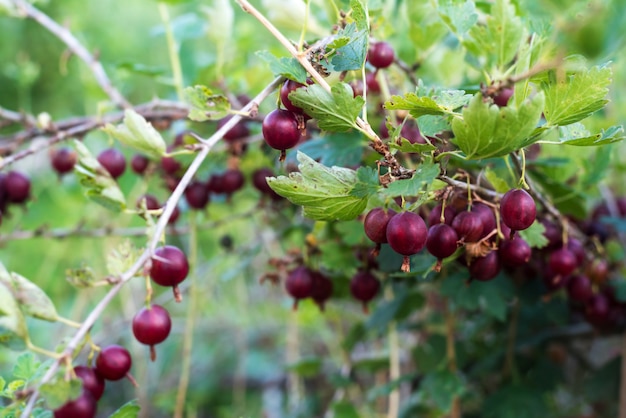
[281, 130]
[518, 209]
[322, 289]
[515, 252]
[468, 225]
[487, 217]
[434, 217]
[375, 224]
[152, 203]
[92, 381]
[364, 287]
[562, 262]
[485, 268]
[441, 242]
[287, 87]
[232, 180]
[17, 187]
[169, 267]
[151, 326]
[84, 406]
[170, 165]
[406, 235]
[113, 161]
[579, 288]
[380, 54]
[139, 163]
[502, 98]
[299, 284]
[372, 84]
[578, 249]
[259, 181]
[63, 160]
[197, 195]
[113, 362]
[597, 310]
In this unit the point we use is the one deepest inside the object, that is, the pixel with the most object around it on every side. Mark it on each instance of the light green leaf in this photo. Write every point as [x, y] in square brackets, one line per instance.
[442, 102]
[58, 391]
[576, 97]
[221, 19]
[498, 183]
[128, 410]
[459, 16]
[425, 174]
[81, 277]
[99, 185]
[487, 131]
[359, 14]
[26, 366]
[122, 258]
[323, 192]
[137, 133]
[335, 111]
[32, 299]
[425, 28]
[431, 125]
[13, 331]
[578, 135]
[205, 105]
[500, 38]
[368, 182]
[350, 55]
[407, 146]
[286, 67]
[534, 235]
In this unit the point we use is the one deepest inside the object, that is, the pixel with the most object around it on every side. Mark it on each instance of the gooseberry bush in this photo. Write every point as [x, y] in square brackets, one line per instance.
[344, 208]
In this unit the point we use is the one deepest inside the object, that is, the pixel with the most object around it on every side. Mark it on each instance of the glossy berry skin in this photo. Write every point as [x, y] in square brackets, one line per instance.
[113, 362]
[380, 54]
[169, 266]
[375, 224]
[139, 163]
[434, 217]
[63, 160]
[579, 288]
[322, 289]
[17, 187]
[468, 225]
[197, 195]
[442, 240]
[502, 98]
[406, 233]
[518, 209]
[299, 284]
[239, 131]
[485, 268]
[280, 129]
[232, 180]
[113, 161]
[287, 87]
[92, 381]
[152, 325]
[170, 165]
[515, 252]
[364, 287]
[487, 217]
[84, 406]
[562, 262]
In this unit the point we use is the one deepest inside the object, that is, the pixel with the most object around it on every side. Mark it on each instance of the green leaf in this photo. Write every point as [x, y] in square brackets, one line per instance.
[442, 102]
[459, 16]
[205, 104]
[425, 29]
[425, 174]
[99, 185]
[32, 300]
[430, 354]
[122, 258]
[138, 133]
[367, 184]
[487, 131]
[345, 409]
[498, 183]
[142, 69]
[359, 14]
[306, 367]
[13, 331]
[285, 67]
[500, 38]
[578, 135]
[81, 277]
[442, 387]
[407, 146]
[431, 125]
[323, 192]
[351, 54]
[128, 410]
[221, 19]
[58, 391]
[516, 401]
[335, 111]
[25, 366]
[534, 235]
[342, 149]
[578, 96]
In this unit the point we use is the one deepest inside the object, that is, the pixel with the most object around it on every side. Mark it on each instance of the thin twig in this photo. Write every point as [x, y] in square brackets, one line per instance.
[79, 127]
[76, 47]
[473, 187]
[95, 314]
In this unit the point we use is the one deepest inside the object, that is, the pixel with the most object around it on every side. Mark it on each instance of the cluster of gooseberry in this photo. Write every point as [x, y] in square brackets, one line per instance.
[150, 326]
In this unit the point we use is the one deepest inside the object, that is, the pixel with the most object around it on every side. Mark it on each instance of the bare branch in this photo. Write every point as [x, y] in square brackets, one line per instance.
[76, 47]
